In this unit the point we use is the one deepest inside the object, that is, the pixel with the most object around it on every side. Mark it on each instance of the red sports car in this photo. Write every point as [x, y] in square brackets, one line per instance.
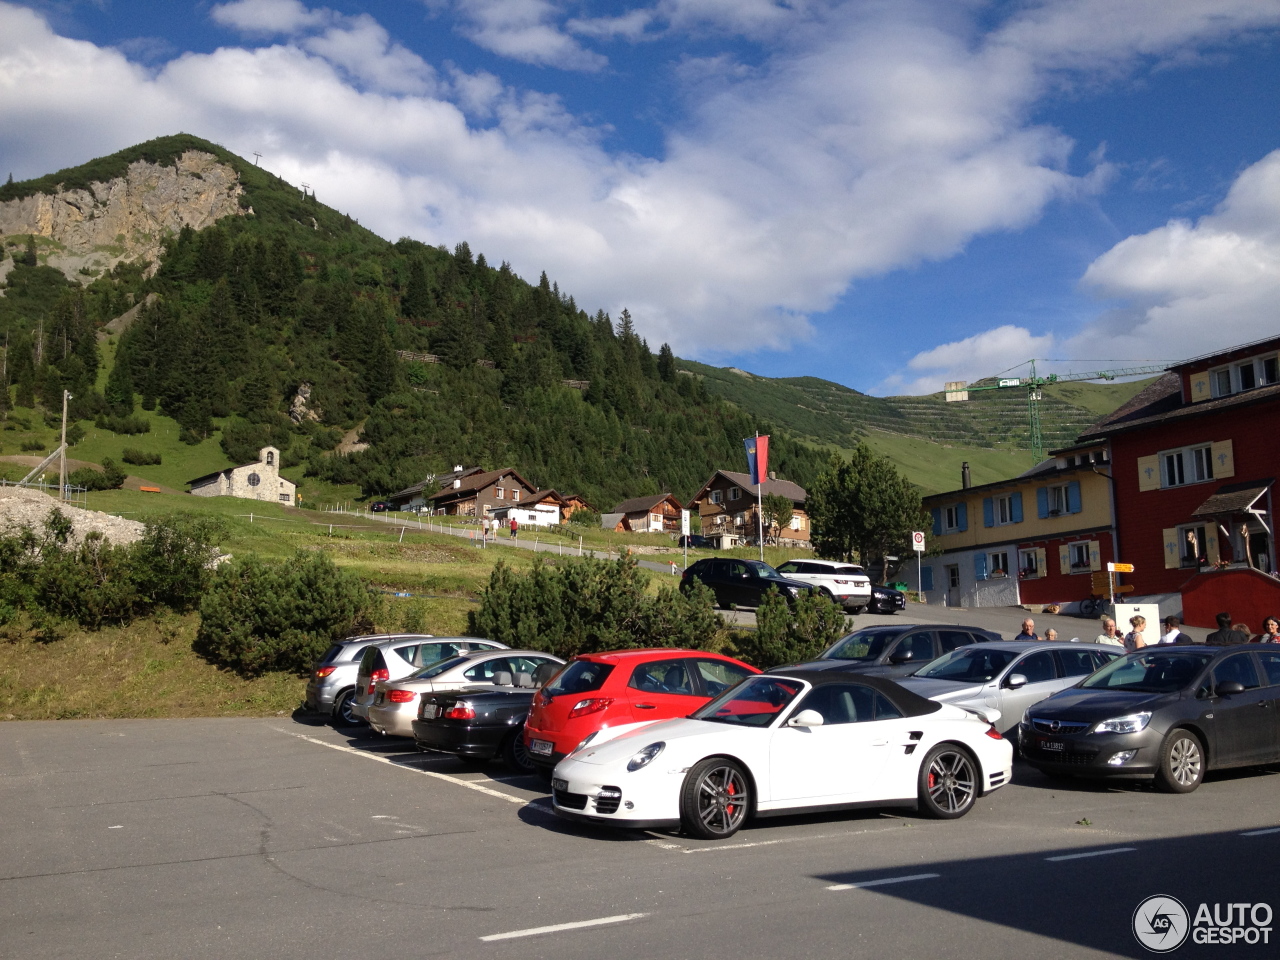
[622, 688]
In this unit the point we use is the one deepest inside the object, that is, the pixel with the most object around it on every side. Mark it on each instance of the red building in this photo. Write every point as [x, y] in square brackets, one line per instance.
[1194, 459]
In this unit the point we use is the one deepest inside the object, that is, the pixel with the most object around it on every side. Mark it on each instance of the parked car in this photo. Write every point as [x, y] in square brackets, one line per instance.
[395, 659]
[331, 688]
[1008, 676]
[886, 600]
[1168, 713]
[897, 650]
[483, 724]
[693, 540]
[380, 506]
[606, 691]
[740, 582]
[845, 583]
[395, 702]
[788, 740]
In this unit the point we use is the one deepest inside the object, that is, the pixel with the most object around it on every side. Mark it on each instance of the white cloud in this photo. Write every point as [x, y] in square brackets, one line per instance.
[982, 355]
[873, 136]
[525, 30]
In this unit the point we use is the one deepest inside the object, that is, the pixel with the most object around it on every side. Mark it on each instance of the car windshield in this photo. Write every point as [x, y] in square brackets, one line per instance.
[426, 673]
[753, 703]
[581, 676]
[967, 665]
[763, 570]
[1150, 672]
[866, 644]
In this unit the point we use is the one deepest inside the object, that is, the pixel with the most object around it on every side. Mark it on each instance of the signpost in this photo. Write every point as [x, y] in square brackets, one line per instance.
[1112, 589]
[917, 544]
[684, 535]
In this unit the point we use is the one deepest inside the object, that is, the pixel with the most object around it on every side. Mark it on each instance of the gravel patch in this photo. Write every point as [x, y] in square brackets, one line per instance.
[20, 507]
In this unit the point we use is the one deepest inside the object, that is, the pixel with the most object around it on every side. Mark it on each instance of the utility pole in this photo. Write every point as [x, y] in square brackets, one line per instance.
[256, 157]
[62, 454]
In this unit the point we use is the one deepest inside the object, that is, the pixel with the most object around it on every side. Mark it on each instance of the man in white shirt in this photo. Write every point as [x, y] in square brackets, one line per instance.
[1172, 632]
[1109, 634]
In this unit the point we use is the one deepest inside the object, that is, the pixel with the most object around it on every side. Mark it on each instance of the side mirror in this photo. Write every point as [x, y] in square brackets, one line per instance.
[1228, 687]
[1015, 681]
[904, 656]
[806, 718]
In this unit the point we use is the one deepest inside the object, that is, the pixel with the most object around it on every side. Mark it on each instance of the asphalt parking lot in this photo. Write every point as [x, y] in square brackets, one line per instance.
[279, 838]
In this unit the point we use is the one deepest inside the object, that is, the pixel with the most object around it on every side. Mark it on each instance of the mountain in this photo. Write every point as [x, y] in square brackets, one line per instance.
[284, 321]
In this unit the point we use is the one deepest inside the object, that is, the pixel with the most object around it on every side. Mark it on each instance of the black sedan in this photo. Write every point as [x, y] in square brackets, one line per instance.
[1171, 713]
[886, 600]
[741, 582]
[898, 650]
[476, 726]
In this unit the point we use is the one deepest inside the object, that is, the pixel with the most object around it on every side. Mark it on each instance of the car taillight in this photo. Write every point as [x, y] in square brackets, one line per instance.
[322, 672]
[380, 674]
[401, 696]
[593, 705]
[993, 733]
[460, 711]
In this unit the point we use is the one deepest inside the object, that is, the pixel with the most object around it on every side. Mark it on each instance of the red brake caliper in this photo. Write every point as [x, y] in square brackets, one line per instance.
[730, 790]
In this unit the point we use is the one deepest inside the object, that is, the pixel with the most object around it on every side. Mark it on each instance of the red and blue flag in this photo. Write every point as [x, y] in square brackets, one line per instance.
[757, 458]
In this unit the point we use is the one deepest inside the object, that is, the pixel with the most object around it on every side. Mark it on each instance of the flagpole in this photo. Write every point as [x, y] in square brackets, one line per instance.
[759, 497]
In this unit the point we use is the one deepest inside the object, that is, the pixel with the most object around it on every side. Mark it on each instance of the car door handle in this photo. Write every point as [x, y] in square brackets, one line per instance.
[646, 706]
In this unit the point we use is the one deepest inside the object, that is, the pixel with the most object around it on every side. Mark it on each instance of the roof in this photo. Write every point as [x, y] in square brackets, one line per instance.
[1263, 344]
[1162, 402]
[539, 495]
[1233, 498]
[472, 483]
[643, 504]
[911, 704]
[642, 653]
[792, 491]
[1044, 470]
[218, 473]
[611, 520]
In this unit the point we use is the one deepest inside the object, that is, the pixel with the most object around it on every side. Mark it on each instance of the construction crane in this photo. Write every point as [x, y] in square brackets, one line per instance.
[1034, 385]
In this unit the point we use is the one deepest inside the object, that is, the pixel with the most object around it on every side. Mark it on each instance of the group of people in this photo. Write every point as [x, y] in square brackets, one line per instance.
[1226, 634]
[489, 528]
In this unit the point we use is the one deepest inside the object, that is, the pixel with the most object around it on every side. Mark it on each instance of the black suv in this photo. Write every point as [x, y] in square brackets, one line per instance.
[741, 582]
[898, 650]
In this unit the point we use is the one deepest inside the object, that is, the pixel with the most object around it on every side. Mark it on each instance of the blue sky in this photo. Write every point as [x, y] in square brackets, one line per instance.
[885, 194]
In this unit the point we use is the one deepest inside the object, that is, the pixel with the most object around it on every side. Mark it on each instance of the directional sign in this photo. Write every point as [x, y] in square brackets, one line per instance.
[1125, 588]
[1120, 567]
[917, 541]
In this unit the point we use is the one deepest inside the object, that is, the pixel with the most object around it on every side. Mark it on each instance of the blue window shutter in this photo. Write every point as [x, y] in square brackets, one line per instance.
[1017, 507]
[926, 578]
[1042, 502]
[988, 512]
[1073, 497]
[937, 521]
[962, 514]
[980, 566]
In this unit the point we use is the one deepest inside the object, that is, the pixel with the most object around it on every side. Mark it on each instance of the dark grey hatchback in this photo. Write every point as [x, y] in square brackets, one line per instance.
[1171, 713]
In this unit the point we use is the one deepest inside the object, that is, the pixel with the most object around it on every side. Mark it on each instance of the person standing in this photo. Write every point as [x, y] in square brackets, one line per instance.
[1171, 631]
[1133, 640]
[1028, 630]
[1051, 635]
[515, 527]
[1224, 636]
[1110, 634]
[1270, 631]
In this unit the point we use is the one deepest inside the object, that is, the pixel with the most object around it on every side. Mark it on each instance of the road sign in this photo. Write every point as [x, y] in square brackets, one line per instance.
[1102, 584]
[1120, 567]
[917, 541]
[1125, 588]
[684, 522]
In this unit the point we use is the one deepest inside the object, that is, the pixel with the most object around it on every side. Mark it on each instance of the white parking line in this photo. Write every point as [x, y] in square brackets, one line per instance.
[1091, 853]
[1261, 833]
[557, 927]
[883, 881]
[400, 766]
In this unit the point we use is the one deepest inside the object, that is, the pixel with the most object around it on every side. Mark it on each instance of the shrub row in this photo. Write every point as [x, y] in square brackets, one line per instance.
[140, 458]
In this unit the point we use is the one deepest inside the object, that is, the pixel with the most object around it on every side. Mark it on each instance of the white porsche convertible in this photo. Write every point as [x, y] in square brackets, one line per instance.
[796, 739]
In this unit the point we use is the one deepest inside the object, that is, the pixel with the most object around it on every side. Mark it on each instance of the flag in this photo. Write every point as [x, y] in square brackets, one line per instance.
[757, 458]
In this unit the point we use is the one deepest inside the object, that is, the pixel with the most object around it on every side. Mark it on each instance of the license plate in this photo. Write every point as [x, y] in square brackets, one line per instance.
[561, 785]
[542, 748]
[1055, 745]
[430, 711]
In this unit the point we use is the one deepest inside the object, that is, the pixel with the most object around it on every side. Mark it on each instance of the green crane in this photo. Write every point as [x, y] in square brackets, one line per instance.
[1034, 385]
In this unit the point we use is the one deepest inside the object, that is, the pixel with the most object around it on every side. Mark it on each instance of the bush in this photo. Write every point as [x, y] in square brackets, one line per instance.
[140, 458]
[32, 445]
[585, 518]
[586, 605]
[261, 615]
[128, 426]
[110, 477]
[790, 635]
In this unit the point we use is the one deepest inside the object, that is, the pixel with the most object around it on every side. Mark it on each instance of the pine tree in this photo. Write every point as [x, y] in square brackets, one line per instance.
[29, 258]
[666, 364]
[119, 388]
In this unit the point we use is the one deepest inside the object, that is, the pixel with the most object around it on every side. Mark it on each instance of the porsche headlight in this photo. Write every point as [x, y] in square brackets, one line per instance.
[1133, 723]
[642, 758]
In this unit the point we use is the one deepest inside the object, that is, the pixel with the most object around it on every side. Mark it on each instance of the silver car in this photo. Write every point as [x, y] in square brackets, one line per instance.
[396, 702]
[1008, 676]
[398, 658]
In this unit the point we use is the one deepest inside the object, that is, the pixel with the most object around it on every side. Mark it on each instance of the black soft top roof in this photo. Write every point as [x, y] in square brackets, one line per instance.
[911, 704]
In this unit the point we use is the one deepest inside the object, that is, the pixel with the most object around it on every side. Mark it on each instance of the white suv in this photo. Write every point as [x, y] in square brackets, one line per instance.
[845, 583]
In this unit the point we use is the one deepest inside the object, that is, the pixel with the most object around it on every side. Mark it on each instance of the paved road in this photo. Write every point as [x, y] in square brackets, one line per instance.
[276, 838]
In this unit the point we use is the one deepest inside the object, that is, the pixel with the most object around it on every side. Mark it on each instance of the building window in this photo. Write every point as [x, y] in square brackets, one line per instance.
[716, 496]
[735, 493]
[1247, 375]
[515, 494]
[286, 498]
[999, 564]
[951, 517]
[500, 493]
[1004, 510]
[1270, 369]
[1193, 545]
[1189, 465]
[271, 458]
[1029, 564]
[739, 519]
[1079, 557]
[797, 522]
[1057, 500]
[953, 577]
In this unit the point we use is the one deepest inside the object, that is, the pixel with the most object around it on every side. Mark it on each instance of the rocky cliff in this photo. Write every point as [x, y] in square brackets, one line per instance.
[125, 218]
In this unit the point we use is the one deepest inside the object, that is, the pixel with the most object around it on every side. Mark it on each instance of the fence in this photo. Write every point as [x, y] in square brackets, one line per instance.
[74, 496]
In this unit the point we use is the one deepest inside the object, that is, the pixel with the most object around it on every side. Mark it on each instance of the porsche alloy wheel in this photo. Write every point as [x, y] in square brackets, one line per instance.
[948, 782]
[715, 799]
